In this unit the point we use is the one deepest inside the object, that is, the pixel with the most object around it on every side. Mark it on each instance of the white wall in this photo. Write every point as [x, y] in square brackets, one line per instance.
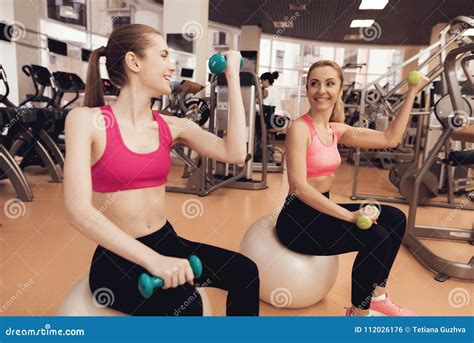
[8, 53]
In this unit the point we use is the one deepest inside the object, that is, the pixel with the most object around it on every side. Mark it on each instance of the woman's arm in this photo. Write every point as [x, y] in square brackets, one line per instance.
[78, 192]
[232, 148]
[295, 149]
[366, 138]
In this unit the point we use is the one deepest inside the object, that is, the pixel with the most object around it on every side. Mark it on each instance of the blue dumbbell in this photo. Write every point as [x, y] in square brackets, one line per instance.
[218, 63]
[147, 284]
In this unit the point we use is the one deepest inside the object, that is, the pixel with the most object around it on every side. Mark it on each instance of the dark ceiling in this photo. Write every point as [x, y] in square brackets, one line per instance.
[401, 22]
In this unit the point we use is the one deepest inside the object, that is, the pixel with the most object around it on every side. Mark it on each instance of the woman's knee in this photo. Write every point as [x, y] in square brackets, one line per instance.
[394, 219]
[377, 237]
[245, 272]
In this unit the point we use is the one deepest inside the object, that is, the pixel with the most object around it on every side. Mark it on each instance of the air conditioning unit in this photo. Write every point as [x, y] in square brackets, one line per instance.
[221, 40]
[68, 12]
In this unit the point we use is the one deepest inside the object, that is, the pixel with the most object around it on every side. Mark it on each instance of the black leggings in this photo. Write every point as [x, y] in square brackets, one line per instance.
[114, 280]
[305, 230]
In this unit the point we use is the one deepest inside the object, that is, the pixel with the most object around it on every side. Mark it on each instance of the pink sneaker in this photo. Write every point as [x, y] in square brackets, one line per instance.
[388, 308]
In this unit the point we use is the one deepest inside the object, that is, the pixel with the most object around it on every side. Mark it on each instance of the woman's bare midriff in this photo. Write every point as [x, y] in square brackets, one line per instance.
[138, 212]
[320, 183]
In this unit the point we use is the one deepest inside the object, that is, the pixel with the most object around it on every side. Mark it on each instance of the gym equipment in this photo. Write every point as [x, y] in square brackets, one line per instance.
[51, 117]
[148, 284]
[183, 104]
[79, 302]
[378, 100]
[275, 123]
[64, 83]
[8, 166]
[218, 63]
[287, 279]
[450, 122]
[205, 175]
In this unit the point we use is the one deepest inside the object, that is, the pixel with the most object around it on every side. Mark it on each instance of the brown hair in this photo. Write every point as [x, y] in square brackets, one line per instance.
[134, 38]
[337, 68]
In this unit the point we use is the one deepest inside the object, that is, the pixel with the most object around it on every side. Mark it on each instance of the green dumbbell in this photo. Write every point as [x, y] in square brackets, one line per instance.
[147, 284]
[414, 77]
[218, 63]
[365, 222]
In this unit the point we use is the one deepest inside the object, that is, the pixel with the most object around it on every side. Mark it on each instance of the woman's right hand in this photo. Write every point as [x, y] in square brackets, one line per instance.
[366, 211]
[174, 271]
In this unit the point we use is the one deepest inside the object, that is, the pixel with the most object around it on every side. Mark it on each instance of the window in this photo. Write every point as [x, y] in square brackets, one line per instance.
[280, 56]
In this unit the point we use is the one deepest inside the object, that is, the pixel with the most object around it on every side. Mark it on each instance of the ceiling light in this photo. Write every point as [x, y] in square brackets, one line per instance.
[362, 23]
[353, 37]
[373, 4]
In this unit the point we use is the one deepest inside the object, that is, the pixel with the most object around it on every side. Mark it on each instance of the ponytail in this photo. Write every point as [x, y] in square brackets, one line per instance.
[135, 38]
[94, 93]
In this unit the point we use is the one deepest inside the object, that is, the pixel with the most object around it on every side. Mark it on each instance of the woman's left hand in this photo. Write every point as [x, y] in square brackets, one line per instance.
[419, 86]
[233, 62]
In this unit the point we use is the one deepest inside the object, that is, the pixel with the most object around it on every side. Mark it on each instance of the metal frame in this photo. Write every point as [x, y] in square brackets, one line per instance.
[449, 36]
[445, 268]
[201, 178]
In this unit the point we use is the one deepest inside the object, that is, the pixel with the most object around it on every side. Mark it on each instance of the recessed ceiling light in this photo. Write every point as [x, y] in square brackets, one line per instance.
[362, 22]
[373, 4]
[297, 7]
[283, 24]
[353, 37]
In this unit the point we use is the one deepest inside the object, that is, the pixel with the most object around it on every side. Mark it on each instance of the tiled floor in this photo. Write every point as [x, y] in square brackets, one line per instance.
[42, 256]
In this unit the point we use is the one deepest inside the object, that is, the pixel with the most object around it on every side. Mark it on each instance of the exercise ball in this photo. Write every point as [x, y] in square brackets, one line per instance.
[287, 279]
[78, 302]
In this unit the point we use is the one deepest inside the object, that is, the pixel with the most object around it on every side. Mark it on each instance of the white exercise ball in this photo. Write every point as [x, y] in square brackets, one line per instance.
[287, 279]
[79, 302]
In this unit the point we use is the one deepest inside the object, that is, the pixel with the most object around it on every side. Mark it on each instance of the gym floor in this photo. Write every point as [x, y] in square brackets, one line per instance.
[41, 245]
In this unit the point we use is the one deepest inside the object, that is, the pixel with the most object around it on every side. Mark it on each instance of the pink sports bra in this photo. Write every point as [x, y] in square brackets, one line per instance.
[321, 159]
[119, 168]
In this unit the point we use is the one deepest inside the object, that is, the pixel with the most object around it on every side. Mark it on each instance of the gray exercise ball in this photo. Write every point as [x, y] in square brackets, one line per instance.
[287, 279]
[79, 301]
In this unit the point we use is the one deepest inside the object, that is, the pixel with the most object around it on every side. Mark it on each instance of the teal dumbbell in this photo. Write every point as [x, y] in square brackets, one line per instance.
[365, 222]
[147, 284]
[218, 63]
